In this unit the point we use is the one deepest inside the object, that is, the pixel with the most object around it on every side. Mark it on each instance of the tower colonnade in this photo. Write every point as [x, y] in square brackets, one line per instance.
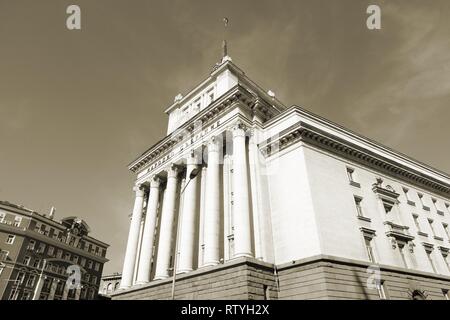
[164, 199]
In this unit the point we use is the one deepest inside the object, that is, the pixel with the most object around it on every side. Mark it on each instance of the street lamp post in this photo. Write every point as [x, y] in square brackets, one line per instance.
[192, 175]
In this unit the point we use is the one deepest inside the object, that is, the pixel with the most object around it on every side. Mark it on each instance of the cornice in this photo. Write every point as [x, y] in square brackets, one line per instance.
[311, 135]
[236, 95]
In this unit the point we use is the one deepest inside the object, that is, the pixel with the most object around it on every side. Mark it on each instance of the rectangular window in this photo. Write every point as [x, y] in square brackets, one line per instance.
[97, 266]
[369, 249]
[407, 196]
[430, 259]
[31, 245]
[416, 222]
[17, 221]
[447, 232]
[41, 248]
[351, 177]
[83, 262]
[67, 256]
[75, 259]
[51, 251]
[20, 277]
[430, 221]
[3, 255]
[36, 263]
[10, 239]
[422, 201]
[31, 280]
[90, 264]
[401, 250]
[359, 210]
[26, 260]
[2, 217]
[381, 287]
[94, 279]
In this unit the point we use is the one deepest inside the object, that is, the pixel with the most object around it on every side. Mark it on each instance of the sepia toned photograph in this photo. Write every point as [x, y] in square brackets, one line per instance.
[195, 151]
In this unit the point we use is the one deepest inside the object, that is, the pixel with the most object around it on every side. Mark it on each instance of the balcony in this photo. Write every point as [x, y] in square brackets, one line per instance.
[399, 232]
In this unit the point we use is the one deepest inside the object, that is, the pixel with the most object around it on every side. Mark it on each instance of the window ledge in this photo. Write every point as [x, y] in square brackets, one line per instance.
[440, 212]
[355, 184]
[364, 219]
[426, 208]
[438, 238]
[423, 234]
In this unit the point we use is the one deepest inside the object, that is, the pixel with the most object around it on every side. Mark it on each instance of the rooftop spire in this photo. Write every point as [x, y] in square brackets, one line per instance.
[224, 43]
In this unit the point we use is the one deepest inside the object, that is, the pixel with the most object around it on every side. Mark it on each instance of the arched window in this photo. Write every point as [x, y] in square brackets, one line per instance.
[116, 286]
[109, 288]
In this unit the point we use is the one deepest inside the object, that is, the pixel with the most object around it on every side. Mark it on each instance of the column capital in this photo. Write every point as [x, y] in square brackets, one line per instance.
[192, 158]
[239, 129]
[155, 181]
[139, 190]
[172, 171]
[213, 144]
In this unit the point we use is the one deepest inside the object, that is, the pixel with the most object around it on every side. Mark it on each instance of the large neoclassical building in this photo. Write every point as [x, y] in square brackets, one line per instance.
[246, 198]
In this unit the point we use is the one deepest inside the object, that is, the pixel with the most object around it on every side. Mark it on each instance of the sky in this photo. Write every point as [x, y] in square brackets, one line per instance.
[76, 106]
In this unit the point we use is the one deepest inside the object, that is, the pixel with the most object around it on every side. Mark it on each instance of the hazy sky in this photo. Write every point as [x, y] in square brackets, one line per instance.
[77, 106]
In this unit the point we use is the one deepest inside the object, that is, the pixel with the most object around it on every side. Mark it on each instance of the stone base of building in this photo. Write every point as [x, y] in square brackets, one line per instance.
[319, 277]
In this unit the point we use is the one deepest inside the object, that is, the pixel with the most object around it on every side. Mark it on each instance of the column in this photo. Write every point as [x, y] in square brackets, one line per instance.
[167, 224]
[65, 291]
[189, 218]
[133, 238]
[54, 284]
[211, 232]
[201, 246]
[149, 232]
[241, 208]
[39, 285]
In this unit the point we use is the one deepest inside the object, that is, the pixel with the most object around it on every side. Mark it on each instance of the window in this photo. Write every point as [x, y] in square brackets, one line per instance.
[17, 221]
[13, 294]
[10, 239]
[447, 206]
[445, 226]
[90, 264]
[445, 294]
[75, 259]
[358, 201]
[26, 295]
[2, 217]
[351, 177]
[430, 259]
[401, 250]
[67, 256]
[97, 266]
[430, 221]
[424, 206]
[31, 245]
[36, 263]
[381, 287]
[407, 196]
[59, 253]
[369, 249]
[51, 251]
[26, 260]
[88, 277]
[94, 279]
[31, 280]
[83, 262]
[209, 96]
[416, 222]
[20, 277]
[41, 248]
[3, 255]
